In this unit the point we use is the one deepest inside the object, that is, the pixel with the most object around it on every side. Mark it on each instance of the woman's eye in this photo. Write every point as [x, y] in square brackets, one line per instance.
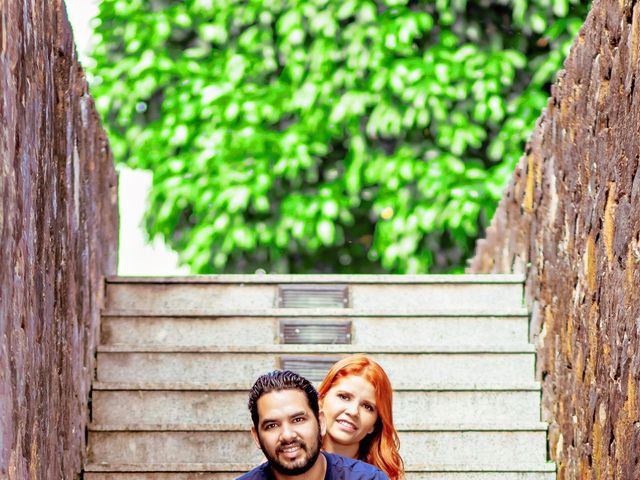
[343, 396]
[369, 407]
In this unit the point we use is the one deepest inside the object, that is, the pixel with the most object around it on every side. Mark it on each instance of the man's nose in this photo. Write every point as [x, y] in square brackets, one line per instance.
[287, 432]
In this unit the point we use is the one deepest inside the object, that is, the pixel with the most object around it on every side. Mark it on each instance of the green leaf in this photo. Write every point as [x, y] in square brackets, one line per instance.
[352, 136]
[326, 231]
[330, 209]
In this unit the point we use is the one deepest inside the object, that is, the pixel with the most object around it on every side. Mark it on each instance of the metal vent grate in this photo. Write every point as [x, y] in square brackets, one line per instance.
[312, 296]
[311, 368]
[297, 331]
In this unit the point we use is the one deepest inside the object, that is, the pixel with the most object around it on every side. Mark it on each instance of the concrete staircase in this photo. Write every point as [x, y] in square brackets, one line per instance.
[178, 355]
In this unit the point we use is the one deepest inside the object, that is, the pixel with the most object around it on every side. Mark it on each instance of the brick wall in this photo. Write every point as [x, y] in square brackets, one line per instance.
[570, 220]
[58, 233]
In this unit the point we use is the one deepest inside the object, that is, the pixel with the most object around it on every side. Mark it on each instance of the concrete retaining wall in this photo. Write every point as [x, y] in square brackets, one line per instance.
[58, 234]
[570, 220]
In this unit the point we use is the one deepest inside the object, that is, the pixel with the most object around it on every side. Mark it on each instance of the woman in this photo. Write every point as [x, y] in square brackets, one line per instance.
[356, 398]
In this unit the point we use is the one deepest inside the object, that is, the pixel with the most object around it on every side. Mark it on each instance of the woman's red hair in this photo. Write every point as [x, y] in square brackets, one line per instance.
[381, 447]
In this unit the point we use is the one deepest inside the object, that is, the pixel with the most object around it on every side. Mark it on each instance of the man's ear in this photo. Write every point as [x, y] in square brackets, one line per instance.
[254, 434]
[323, 423]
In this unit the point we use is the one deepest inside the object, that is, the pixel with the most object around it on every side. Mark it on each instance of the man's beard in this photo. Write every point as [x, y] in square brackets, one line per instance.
[309, 460]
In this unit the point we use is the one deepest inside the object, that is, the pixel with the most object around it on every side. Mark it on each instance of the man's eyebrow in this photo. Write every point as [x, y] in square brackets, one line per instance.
[268, 420]
[301, 413]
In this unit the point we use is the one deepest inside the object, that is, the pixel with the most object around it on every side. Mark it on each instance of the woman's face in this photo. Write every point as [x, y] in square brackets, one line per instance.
[350, 411]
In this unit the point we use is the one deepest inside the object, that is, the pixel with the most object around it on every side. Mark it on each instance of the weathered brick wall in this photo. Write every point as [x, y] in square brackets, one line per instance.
[58, 225]
[570, 220]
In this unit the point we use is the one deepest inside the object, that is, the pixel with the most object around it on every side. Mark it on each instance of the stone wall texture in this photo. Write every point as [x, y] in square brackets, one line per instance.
[570, 220]
[58, 233]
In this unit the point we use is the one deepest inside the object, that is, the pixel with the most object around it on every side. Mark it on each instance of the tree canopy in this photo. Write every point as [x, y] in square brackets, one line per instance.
[322, 135]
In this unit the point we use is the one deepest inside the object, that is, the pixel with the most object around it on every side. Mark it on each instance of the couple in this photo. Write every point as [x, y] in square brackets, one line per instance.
[350, 418]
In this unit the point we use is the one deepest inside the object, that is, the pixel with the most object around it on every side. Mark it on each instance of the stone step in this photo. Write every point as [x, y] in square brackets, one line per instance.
[220, 407]
[542, 471]
[224, 387]
[408, 476]
[243, 427]
[366, 294]
[505, 449]
[400, 311]
[419, 370]
[315, 349]
[365, 331]
[179, 355]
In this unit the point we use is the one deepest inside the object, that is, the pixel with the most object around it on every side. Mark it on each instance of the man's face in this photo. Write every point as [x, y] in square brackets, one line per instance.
[288, 432]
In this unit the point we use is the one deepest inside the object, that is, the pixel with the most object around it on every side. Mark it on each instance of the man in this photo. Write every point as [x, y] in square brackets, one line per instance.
[288, 428]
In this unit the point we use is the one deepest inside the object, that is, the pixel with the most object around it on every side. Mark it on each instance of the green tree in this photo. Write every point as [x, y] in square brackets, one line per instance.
[325, 135]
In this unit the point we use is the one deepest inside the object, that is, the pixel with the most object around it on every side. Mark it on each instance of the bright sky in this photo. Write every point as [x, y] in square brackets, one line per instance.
[136, 256]
[80, 14]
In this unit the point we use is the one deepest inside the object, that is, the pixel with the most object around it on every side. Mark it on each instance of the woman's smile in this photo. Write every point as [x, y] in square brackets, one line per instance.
[347, 425]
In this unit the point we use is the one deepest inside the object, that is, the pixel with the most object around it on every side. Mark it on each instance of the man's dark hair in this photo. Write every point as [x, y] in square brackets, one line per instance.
[281, 380]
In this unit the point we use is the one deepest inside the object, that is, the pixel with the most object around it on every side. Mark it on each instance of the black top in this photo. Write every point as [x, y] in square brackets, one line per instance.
[338, 468]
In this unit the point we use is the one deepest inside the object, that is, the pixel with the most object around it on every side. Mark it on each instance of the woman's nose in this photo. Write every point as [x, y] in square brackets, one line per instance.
[352, 409]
